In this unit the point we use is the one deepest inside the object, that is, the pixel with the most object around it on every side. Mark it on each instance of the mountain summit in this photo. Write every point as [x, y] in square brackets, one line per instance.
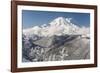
[61, 21]
[59, 26]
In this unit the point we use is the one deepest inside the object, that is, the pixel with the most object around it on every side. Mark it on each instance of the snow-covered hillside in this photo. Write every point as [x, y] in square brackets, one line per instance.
[59, 26]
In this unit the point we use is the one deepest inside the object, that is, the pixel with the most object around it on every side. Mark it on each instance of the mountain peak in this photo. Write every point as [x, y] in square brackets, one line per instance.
[60, 18]
[58, 21]
[59, 26]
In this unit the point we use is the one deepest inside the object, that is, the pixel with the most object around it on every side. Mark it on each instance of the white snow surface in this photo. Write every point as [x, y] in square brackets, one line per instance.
[59, 26]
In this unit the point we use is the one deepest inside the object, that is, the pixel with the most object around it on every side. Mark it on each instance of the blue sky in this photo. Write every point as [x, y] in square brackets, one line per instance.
[32, 18]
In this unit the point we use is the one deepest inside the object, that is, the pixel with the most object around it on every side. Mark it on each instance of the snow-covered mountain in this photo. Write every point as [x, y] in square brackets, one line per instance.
[59, 40]
[59, 26]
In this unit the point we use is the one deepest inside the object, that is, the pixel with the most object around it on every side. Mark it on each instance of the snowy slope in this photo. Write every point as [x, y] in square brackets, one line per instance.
[59, 26]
